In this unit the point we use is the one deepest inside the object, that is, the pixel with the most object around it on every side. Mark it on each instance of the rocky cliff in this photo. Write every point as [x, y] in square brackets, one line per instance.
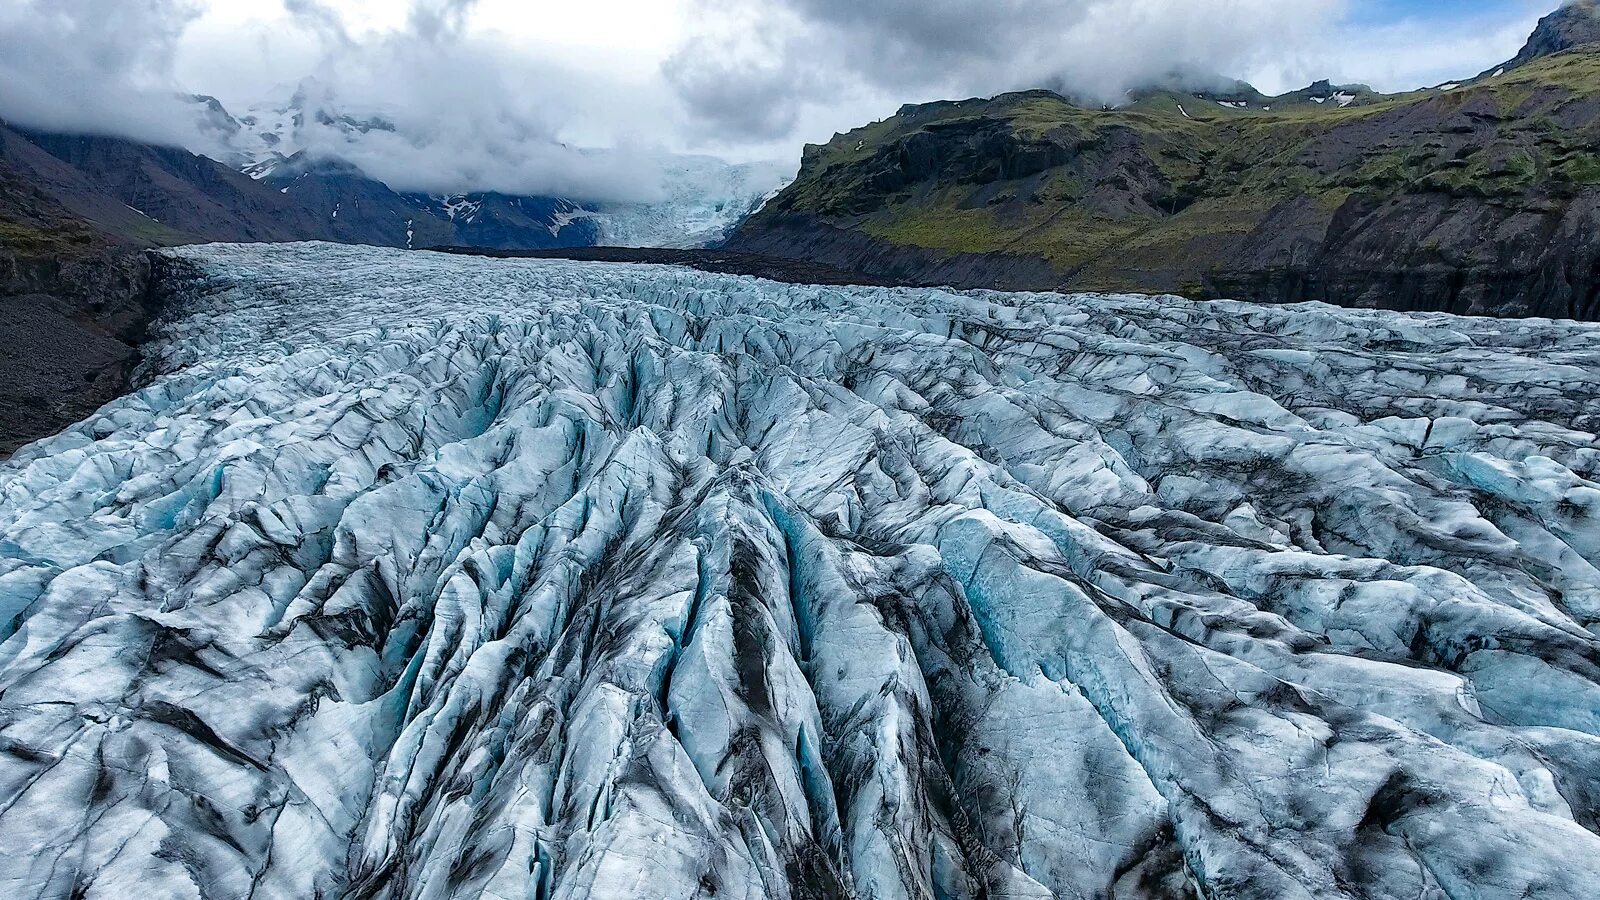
[1574, 25]
[73, 305]
[1476, 198]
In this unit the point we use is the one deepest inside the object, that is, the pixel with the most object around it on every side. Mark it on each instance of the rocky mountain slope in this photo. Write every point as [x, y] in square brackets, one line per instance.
[416, 576]
[165, 195]
[1576, 24]
[295, 144]
[73, 292]
[1482, 197]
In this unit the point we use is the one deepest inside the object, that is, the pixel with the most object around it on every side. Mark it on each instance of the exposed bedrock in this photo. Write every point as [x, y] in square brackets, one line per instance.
[70, 325]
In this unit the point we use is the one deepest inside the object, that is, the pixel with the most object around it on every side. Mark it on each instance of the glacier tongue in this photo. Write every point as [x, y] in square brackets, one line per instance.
[414, 576]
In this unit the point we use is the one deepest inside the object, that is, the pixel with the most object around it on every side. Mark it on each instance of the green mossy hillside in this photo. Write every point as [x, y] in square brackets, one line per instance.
[1173, 175]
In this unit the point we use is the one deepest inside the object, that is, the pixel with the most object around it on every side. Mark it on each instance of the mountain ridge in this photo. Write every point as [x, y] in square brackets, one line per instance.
[1574, 25]
[1478, 197]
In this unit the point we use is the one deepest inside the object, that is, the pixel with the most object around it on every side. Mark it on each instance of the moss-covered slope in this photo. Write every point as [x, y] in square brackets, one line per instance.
[1479, 197]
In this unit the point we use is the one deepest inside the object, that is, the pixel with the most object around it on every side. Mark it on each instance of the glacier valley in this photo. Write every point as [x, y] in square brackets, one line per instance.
[418, 576]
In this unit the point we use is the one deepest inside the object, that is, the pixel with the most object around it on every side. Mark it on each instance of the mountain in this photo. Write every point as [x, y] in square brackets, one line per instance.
[76, 212]
[150, 195]
[360, 210]
[297, 144]
[1479, 197]
[278, 145]
[419, 577]
[271, 176]
[1573, 25]
[703, 199]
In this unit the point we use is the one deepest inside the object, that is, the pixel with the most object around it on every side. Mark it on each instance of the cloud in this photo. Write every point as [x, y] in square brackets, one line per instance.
[805, 52]
[320, 19]
[435, 21]
[98, 66]
[795, 61]
[469, 111]
[463, 112]
[745, 72]
[472, 96]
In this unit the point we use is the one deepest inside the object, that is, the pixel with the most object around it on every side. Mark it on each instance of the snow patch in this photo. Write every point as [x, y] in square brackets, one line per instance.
[566, 217]
[460, 207]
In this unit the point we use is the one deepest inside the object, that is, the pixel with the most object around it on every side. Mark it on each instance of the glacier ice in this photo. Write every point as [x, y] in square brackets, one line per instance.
[703, 199]
[417, 576]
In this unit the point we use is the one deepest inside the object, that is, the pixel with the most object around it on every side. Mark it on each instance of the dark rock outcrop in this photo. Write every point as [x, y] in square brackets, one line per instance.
[70, 326]
[809, 238]
[1371, 253]
[1573, 25]
[1468, 256]
[74, 298]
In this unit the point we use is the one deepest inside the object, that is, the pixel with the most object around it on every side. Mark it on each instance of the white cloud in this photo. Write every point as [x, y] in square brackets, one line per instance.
[94, 65]
[499, 94]
[1409, 54]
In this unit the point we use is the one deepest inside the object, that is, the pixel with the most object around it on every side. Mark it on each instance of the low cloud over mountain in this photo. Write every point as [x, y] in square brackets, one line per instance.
[490, 95]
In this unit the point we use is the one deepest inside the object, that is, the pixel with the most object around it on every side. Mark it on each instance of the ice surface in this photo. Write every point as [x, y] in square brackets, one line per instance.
[418, 576]
[703, 200]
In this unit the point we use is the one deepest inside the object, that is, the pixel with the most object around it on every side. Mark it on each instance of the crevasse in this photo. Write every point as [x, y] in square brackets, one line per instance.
[415, 576]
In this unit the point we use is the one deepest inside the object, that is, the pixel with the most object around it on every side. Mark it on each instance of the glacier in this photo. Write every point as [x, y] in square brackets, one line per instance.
[418, 576]
[703, 200]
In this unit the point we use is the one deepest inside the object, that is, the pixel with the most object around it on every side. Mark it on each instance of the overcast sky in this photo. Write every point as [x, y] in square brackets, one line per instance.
[503, 92]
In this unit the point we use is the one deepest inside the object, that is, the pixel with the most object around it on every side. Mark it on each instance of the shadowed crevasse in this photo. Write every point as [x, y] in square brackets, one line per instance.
[419, 576]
